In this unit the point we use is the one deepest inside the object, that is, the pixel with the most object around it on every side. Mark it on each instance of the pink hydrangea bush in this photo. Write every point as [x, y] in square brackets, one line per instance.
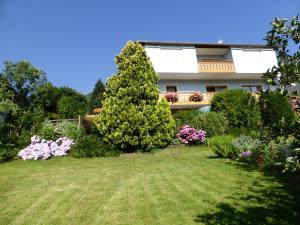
[42, 149]
[189, 135]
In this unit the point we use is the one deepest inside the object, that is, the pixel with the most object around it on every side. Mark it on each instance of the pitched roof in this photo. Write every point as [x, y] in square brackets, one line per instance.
[202, 44]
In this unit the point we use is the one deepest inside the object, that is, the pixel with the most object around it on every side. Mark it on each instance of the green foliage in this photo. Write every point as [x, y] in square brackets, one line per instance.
[97, 95]
[69, 130]
[284, 34]
[278, 151]
[24, 79]
[46, 98]
[221, 146]
[276, 113]
[24, 139]
[89, 146]
[239, 106]
[69, 107]
[18, 83]
[132, 117]
[213, 123]
[7, 153]
[244, 143]
[48, 131]
[244, 131]
[183, 117]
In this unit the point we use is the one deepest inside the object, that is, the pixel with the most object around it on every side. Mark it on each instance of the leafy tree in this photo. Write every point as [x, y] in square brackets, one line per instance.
[239, 106]
[24, 79]
[282, 37]
[7, 104]
[97, 96]
[46, 98]
[132, 118]
[69, 107]
[18, 83]
[277, 115]
[70, 92]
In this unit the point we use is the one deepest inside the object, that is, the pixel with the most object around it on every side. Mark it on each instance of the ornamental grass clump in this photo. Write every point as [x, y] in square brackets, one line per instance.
[171, 97]
[196, 97]
[43, 149]
[189, 135]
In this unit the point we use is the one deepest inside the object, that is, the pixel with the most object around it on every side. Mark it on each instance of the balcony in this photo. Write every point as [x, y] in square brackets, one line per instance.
[184, 102]
[216, 66]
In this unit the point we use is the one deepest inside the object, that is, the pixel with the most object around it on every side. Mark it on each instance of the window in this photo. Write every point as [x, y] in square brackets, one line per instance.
[215, 88]
[252, 88]
[171, 88]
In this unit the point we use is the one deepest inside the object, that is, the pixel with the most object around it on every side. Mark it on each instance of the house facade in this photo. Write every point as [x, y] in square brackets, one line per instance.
[208, 68]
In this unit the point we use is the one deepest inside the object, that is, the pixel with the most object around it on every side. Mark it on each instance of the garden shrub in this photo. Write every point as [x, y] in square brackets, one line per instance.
[239, 106]
[196, 97]
[132, 117]
[276, 113]
[48, 131]
[292, 163]
[221, 145]
[171, 97]
[244, 146]
[189, 135]
[42, 149]
[245, 131]
[212, 122]
[69, 129]
[183, 117]
[91, 146]
[7, 153]
[295, 103]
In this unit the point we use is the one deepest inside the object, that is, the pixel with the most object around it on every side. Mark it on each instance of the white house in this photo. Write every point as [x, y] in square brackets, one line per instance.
[185, 68]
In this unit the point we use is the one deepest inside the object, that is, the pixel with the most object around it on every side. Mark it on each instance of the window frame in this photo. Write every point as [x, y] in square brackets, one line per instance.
[243, 86]
[215, 85]
[172, 85]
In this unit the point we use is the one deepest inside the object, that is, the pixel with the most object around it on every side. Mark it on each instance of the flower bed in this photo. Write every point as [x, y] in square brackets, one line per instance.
[42, 149]
[189, 135]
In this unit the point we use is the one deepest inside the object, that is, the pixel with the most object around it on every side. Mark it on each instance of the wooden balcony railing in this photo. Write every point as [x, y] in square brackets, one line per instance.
[184, 102]
[183, 99]
[216, 66]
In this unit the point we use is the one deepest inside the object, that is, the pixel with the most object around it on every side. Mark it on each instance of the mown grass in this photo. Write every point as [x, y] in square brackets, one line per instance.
[174, 186]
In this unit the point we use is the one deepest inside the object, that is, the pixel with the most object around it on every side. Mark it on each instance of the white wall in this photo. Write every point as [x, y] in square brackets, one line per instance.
[200, 85]
[173, 59]
[253, 60]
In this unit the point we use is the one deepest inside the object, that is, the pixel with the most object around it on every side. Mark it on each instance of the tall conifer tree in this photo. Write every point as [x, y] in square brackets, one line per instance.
[132, 116]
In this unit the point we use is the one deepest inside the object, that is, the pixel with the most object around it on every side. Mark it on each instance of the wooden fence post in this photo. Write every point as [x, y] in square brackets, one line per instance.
[79, 122]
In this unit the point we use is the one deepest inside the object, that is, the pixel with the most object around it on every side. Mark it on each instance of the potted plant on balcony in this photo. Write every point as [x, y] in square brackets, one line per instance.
[171, 97]
[196, 97]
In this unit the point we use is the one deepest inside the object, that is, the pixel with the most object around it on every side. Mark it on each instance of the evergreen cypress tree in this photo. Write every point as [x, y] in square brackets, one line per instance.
[132, 117]
[97, 95]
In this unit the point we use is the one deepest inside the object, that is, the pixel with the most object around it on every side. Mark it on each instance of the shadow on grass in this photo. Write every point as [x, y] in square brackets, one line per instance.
[278, 204]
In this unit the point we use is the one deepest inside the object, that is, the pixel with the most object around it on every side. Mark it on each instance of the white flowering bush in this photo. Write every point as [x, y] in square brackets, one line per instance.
[43, 149]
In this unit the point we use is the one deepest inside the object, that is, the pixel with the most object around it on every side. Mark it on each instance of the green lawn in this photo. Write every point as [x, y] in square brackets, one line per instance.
[174, 186]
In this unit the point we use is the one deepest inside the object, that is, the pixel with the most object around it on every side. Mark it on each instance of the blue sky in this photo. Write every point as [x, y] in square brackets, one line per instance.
[75, 41]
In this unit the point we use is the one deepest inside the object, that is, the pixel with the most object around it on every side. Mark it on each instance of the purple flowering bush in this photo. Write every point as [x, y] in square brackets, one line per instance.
[245, 154]
[189, 135]
[43, 149]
